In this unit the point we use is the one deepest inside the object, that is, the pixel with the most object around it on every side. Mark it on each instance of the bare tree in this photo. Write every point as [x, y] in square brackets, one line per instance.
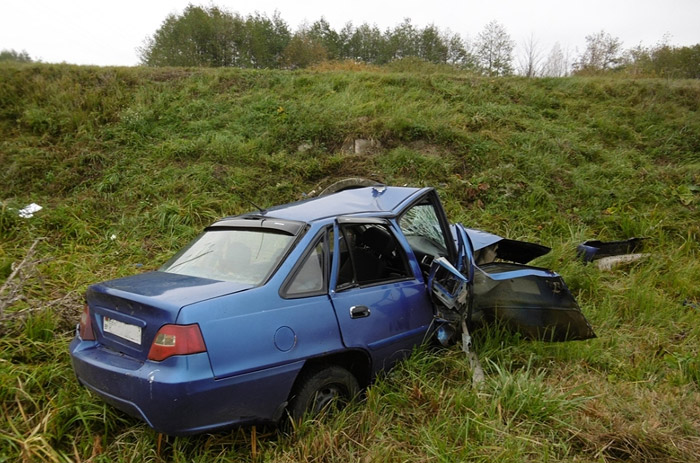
[529, 61]
[494, 50]
[557, 62]
[603, 52]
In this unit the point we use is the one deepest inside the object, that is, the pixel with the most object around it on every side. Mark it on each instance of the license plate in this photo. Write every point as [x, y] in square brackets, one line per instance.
[123, 330]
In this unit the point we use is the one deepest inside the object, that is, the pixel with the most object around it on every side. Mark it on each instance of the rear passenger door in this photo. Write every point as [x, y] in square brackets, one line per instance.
[380, 305]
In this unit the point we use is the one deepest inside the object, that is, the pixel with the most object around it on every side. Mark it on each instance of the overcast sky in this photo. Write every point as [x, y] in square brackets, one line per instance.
[108, 32]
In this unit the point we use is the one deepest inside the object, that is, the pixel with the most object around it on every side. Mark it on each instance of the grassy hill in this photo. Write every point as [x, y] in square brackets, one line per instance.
[129, 164]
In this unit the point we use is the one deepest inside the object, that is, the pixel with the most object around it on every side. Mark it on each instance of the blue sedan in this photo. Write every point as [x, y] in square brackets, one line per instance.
[283, 311]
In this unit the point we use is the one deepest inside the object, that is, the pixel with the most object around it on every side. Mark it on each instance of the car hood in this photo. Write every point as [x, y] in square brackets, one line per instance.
[521, 252]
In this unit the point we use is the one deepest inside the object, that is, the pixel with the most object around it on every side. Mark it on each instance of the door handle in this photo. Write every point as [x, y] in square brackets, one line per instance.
[359, 311]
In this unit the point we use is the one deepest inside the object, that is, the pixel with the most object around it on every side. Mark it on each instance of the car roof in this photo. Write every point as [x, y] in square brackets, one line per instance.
[375, 200]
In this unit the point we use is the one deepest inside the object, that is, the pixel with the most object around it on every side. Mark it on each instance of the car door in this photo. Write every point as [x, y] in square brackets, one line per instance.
[381, 305]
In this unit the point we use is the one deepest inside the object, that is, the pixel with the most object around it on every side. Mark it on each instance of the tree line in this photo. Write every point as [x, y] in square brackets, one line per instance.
[211, 36]
[17, 56]
[214, 37]
[605, 54]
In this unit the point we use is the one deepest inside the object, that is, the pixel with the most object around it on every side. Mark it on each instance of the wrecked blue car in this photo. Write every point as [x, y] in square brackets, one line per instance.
[279, 312]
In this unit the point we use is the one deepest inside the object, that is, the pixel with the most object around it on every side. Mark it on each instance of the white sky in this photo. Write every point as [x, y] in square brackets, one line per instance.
[108, 32]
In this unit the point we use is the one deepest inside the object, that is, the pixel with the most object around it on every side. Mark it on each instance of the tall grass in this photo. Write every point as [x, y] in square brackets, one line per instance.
[129, 164]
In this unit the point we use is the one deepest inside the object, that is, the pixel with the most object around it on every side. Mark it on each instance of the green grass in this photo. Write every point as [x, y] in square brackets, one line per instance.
[131, 163]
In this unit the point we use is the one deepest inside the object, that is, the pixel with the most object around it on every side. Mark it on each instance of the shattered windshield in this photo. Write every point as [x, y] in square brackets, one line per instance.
[422, 229]
[240, 255]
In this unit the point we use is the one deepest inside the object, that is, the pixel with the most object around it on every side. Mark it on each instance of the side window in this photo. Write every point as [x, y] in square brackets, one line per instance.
[309, 277]
[369, 254]
[422, 229]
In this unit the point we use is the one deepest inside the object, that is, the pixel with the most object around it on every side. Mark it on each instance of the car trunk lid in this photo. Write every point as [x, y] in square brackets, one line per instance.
[127, 312]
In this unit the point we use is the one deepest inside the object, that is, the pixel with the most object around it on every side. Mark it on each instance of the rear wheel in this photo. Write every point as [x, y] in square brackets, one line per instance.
[320, 390]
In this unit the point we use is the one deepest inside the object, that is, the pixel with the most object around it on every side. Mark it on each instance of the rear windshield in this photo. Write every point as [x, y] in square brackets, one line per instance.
[243, 256]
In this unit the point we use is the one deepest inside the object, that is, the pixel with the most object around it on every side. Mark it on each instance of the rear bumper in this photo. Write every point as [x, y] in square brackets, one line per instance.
[180, 395]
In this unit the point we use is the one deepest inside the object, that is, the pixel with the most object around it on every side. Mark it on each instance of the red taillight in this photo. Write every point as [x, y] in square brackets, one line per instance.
[176, 340]
[86, 332]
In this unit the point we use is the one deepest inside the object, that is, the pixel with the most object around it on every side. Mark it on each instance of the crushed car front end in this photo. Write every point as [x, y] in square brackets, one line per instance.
[492, 285]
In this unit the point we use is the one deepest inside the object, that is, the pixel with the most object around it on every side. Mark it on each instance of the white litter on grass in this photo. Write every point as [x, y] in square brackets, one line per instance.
[27, 212]
[608, 263]
[113, 237]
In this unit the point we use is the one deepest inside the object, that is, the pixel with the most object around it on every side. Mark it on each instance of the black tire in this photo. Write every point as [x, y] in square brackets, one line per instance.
[321, 389]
